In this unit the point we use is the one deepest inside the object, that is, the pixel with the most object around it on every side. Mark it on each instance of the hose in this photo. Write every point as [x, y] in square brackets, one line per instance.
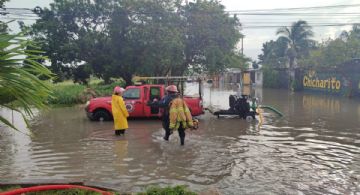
[52, 187]
[272, 109]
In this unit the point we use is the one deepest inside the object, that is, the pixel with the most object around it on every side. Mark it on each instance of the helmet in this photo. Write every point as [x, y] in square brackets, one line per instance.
[172, 88]
[118, 89]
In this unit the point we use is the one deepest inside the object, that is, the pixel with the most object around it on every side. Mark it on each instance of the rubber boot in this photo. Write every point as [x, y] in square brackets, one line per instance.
[117, 132]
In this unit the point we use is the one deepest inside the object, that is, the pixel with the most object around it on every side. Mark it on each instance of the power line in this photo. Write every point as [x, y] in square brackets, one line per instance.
[14, 18]
[18, 13]
[16, 8]
[233, 12]
[297, 8]
[310, 24]
[300, 13]
[278, 26]
[251, 10]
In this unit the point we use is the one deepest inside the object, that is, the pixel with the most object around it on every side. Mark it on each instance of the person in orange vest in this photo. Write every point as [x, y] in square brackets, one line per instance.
[180, 117]
[171, 123]
[119, 111]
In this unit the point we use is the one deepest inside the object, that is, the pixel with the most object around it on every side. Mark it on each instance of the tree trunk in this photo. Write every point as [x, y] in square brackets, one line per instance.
[106, 78]
[127, 78]
[292, 73]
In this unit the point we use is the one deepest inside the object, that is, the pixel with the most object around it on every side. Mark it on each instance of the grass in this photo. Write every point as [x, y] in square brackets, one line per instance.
[177, 190]
[68, 93]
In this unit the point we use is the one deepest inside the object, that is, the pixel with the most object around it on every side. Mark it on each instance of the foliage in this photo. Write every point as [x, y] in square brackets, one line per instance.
[72, 32]
[69, 93]
[5, 188]
[271, 77]
[122, 38]
[177, 190]
[335, 52]
[298, 40]
[274, 54]
[236, 60]
[19, 76]
[3, 25]
[82, 74]
[211, 36]
[2, 3]
[156, 44]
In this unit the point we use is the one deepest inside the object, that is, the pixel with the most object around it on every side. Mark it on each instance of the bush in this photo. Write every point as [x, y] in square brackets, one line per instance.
[68, 93]
[105, 90]
[177, 190]
[271, 78]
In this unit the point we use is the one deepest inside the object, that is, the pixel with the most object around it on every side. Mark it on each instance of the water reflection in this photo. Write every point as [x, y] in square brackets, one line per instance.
[313, 149]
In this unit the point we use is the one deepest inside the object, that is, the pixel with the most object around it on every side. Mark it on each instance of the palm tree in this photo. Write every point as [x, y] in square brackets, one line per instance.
[298, 40]
[19, 76]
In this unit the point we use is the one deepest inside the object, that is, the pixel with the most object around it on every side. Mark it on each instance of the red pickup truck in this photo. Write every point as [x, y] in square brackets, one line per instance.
[136, 99]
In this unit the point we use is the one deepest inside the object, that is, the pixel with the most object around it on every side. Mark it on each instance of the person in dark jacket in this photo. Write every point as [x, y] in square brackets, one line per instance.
[172, 93]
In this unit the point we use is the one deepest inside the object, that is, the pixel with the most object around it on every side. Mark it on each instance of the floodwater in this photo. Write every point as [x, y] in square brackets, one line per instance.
[313, 149]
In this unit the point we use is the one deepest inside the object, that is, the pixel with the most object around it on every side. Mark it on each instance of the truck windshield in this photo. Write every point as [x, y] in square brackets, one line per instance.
[132, 93]
[191, 89]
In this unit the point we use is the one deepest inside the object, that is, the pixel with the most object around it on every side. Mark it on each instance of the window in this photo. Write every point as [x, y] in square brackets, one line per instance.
[154, 93]
[132, 93]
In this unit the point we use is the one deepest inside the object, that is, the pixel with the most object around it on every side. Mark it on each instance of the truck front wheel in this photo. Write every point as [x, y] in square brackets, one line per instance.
[102, 115]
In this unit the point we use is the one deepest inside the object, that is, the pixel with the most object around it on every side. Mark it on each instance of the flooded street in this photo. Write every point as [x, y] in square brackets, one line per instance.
[313, 149]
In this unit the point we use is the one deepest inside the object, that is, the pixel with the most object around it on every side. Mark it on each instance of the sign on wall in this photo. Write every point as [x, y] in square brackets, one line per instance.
[322, 81]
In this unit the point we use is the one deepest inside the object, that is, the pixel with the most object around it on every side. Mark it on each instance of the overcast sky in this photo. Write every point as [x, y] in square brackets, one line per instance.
[254, 38]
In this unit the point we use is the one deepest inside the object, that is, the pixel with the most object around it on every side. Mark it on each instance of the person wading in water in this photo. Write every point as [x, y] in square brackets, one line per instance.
[119, 111]
[176, 114]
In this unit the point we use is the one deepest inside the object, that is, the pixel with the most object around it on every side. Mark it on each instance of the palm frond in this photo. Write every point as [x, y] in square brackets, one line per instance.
[19, 76]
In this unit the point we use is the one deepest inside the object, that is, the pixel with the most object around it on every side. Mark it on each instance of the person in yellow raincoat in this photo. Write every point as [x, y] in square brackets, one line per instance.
[119, 111]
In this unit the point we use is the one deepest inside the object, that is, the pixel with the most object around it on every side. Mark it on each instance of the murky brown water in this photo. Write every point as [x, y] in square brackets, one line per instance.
[314, 149]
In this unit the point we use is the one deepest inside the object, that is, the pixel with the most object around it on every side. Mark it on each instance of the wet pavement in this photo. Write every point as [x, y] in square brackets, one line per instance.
[313, 149]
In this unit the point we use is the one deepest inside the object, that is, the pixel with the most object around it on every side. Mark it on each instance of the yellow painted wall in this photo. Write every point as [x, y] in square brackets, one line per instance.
[246, 78]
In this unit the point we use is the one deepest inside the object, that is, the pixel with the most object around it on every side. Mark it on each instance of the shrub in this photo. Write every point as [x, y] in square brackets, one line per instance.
[68, 93]
[177, 190]
[271, 78]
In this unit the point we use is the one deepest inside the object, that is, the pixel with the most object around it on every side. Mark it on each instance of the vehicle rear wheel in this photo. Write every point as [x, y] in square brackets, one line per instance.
[249, 118]
[102, 115]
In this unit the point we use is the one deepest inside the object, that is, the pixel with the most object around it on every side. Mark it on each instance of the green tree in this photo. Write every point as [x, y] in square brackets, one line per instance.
[211, 36]
[335, 52]
[298, 40]
[153, 42]
[74, 32]
[19, 76]
[274, 53]
[121, 38]
[3, 25]
[237, 60]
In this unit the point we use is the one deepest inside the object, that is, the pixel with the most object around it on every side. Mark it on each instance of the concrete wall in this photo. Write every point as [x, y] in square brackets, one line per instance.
[343, 80]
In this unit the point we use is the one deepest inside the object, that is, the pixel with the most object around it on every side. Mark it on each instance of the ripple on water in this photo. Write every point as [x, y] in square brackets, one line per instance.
[280, 157]
[317, 153]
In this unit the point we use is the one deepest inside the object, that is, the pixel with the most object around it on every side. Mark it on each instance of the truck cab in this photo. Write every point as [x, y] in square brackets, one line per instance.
[136, 98]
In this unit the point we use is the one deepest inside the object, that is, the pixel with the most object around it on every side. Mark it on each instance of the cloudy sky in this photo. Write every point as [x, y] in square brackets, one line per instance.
[255, 37]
